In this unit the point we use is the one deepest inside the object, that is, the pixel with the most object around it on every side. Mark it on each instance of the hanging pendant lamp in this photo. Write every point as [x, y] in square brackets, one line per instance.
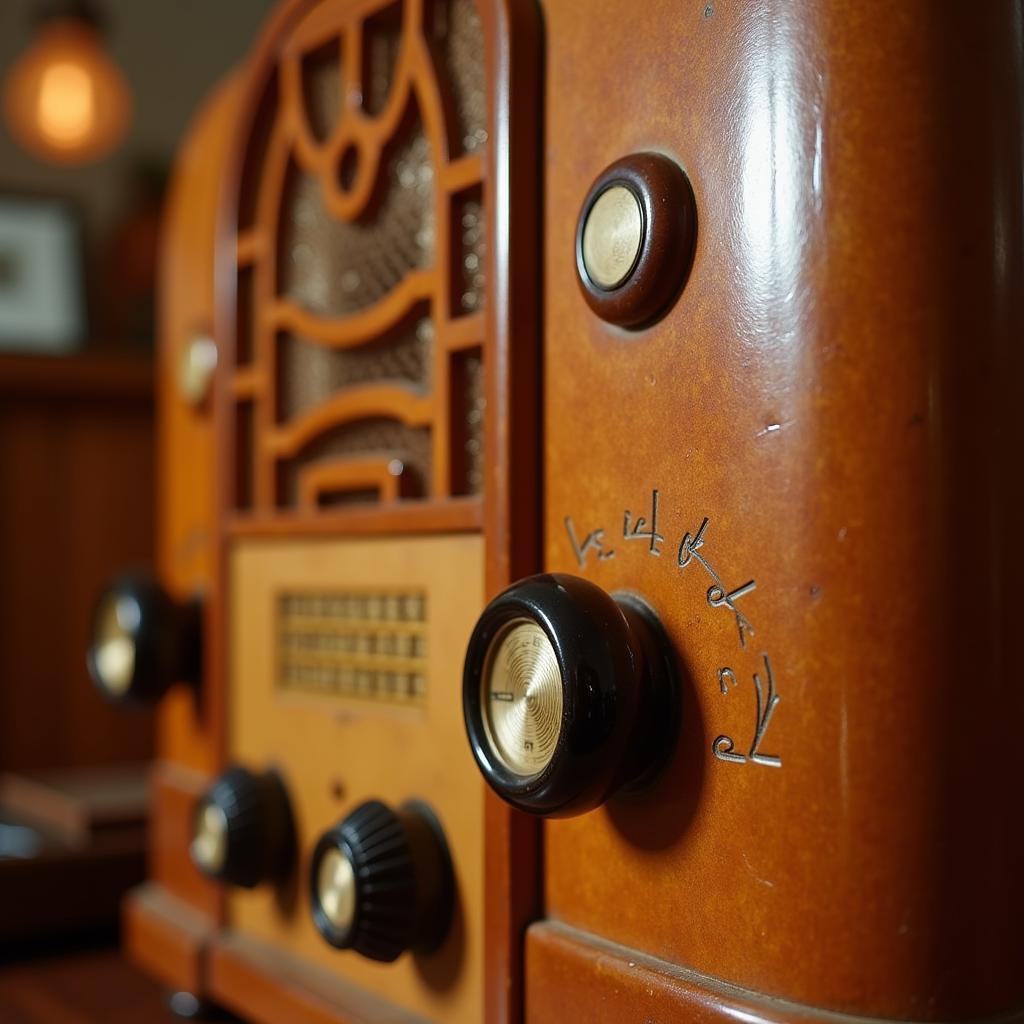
[65, 99]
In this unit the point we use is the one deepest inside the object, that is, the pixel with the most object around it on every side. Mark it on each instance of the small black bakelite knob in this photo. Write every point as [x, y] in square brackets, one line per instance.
[381, 881]
[143, 640]
[242, 829]
[569, 694]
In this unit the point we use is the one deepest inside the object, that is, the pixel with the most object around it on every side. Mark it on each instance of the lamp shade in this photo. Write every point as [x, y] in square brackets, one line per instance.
[66, 101]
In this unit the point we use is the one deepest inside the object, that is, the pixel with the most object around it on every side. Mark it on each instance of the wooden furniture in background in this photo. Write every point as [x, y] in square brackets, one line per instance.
[72, 842]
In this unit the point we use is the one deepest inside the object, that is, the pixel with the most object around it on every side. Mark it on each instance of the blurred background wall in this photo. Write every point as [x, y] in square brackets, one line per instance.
[77, 485]
[172, 52]
[78, 490]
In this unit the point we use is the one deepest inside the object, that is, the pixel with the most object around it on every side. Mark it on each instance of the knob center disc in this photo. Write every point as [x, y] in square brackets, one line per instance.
[336, 889]
[522, 698]
[210, 842]
[115, 646]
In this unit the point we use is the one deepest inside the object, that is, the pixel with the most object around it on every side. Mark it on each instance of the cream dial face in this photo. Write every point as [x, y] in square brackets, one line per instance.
[521, 698]
[612, 236]
[210, 842]
[114, 652]
[336, 889]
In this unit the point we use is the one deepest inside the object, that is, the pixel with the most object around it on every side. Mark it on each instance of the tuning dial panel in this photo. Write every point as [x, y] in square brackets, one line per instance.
[143, 640]
[242, 829]
[381, 881]
[569, 694]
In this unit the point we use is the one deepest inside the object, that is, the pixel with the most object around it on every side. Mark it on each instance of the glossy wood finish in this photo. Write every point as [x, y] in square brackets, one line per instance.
[569, 972]
[453, 516]
[834, 392]
[72, 431]
[195, 737]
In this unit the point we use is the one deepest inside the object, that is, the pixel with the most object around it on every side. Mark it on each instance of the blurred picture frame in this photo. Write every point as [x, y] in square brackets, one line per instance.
[42, 275]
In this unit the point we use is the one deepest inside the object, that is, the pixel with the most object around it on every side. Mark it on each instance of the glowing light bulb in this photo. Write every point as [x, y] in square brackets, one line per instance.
[65, 99]
[66, 108]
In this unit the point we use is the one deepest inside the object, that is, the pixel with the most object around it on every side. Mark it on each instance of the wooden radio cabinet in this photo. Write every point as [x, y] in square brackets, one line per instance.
[588, 446]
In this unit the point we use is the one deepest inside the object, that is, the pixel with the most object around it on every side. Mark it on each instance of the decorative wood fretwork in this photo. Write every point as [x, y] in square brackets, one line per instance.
[360, 249]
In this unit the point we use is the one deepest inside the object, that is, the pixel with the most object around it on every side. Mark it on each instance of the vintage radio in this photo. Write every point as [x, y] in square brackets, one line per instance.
[589, 548]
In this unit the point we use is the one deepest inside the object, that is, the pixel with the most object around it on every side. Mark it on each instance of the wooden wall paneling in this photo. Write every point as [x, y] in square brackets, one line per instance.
[829, 406]
[72, 431]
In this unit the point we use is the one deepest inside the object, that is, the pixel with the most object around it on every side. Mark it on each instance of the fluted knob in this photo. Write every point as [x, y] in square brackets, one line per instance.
[242, 829]
[381, 881]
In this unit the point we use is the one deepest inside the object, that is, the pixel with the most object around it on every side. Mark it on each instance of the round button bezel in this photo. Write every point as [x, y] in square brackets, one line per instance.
[662, 264]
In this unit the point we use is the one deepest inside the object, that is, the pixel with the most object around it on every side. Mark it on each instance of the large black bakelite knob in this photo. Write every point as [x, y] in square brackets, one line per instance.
[143, 640]
[242, 829]
[381, 881]
[569, 694]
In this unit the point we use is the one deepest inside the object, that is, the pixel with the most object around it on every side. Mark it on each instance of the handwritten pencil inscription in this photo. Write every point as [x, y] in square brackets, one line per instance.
[693, 549]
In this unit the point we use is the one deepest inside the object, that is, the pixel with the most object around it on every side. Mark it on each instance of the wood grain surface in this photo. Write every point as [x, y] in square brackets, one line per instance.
[832, 394]
[72, 431]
